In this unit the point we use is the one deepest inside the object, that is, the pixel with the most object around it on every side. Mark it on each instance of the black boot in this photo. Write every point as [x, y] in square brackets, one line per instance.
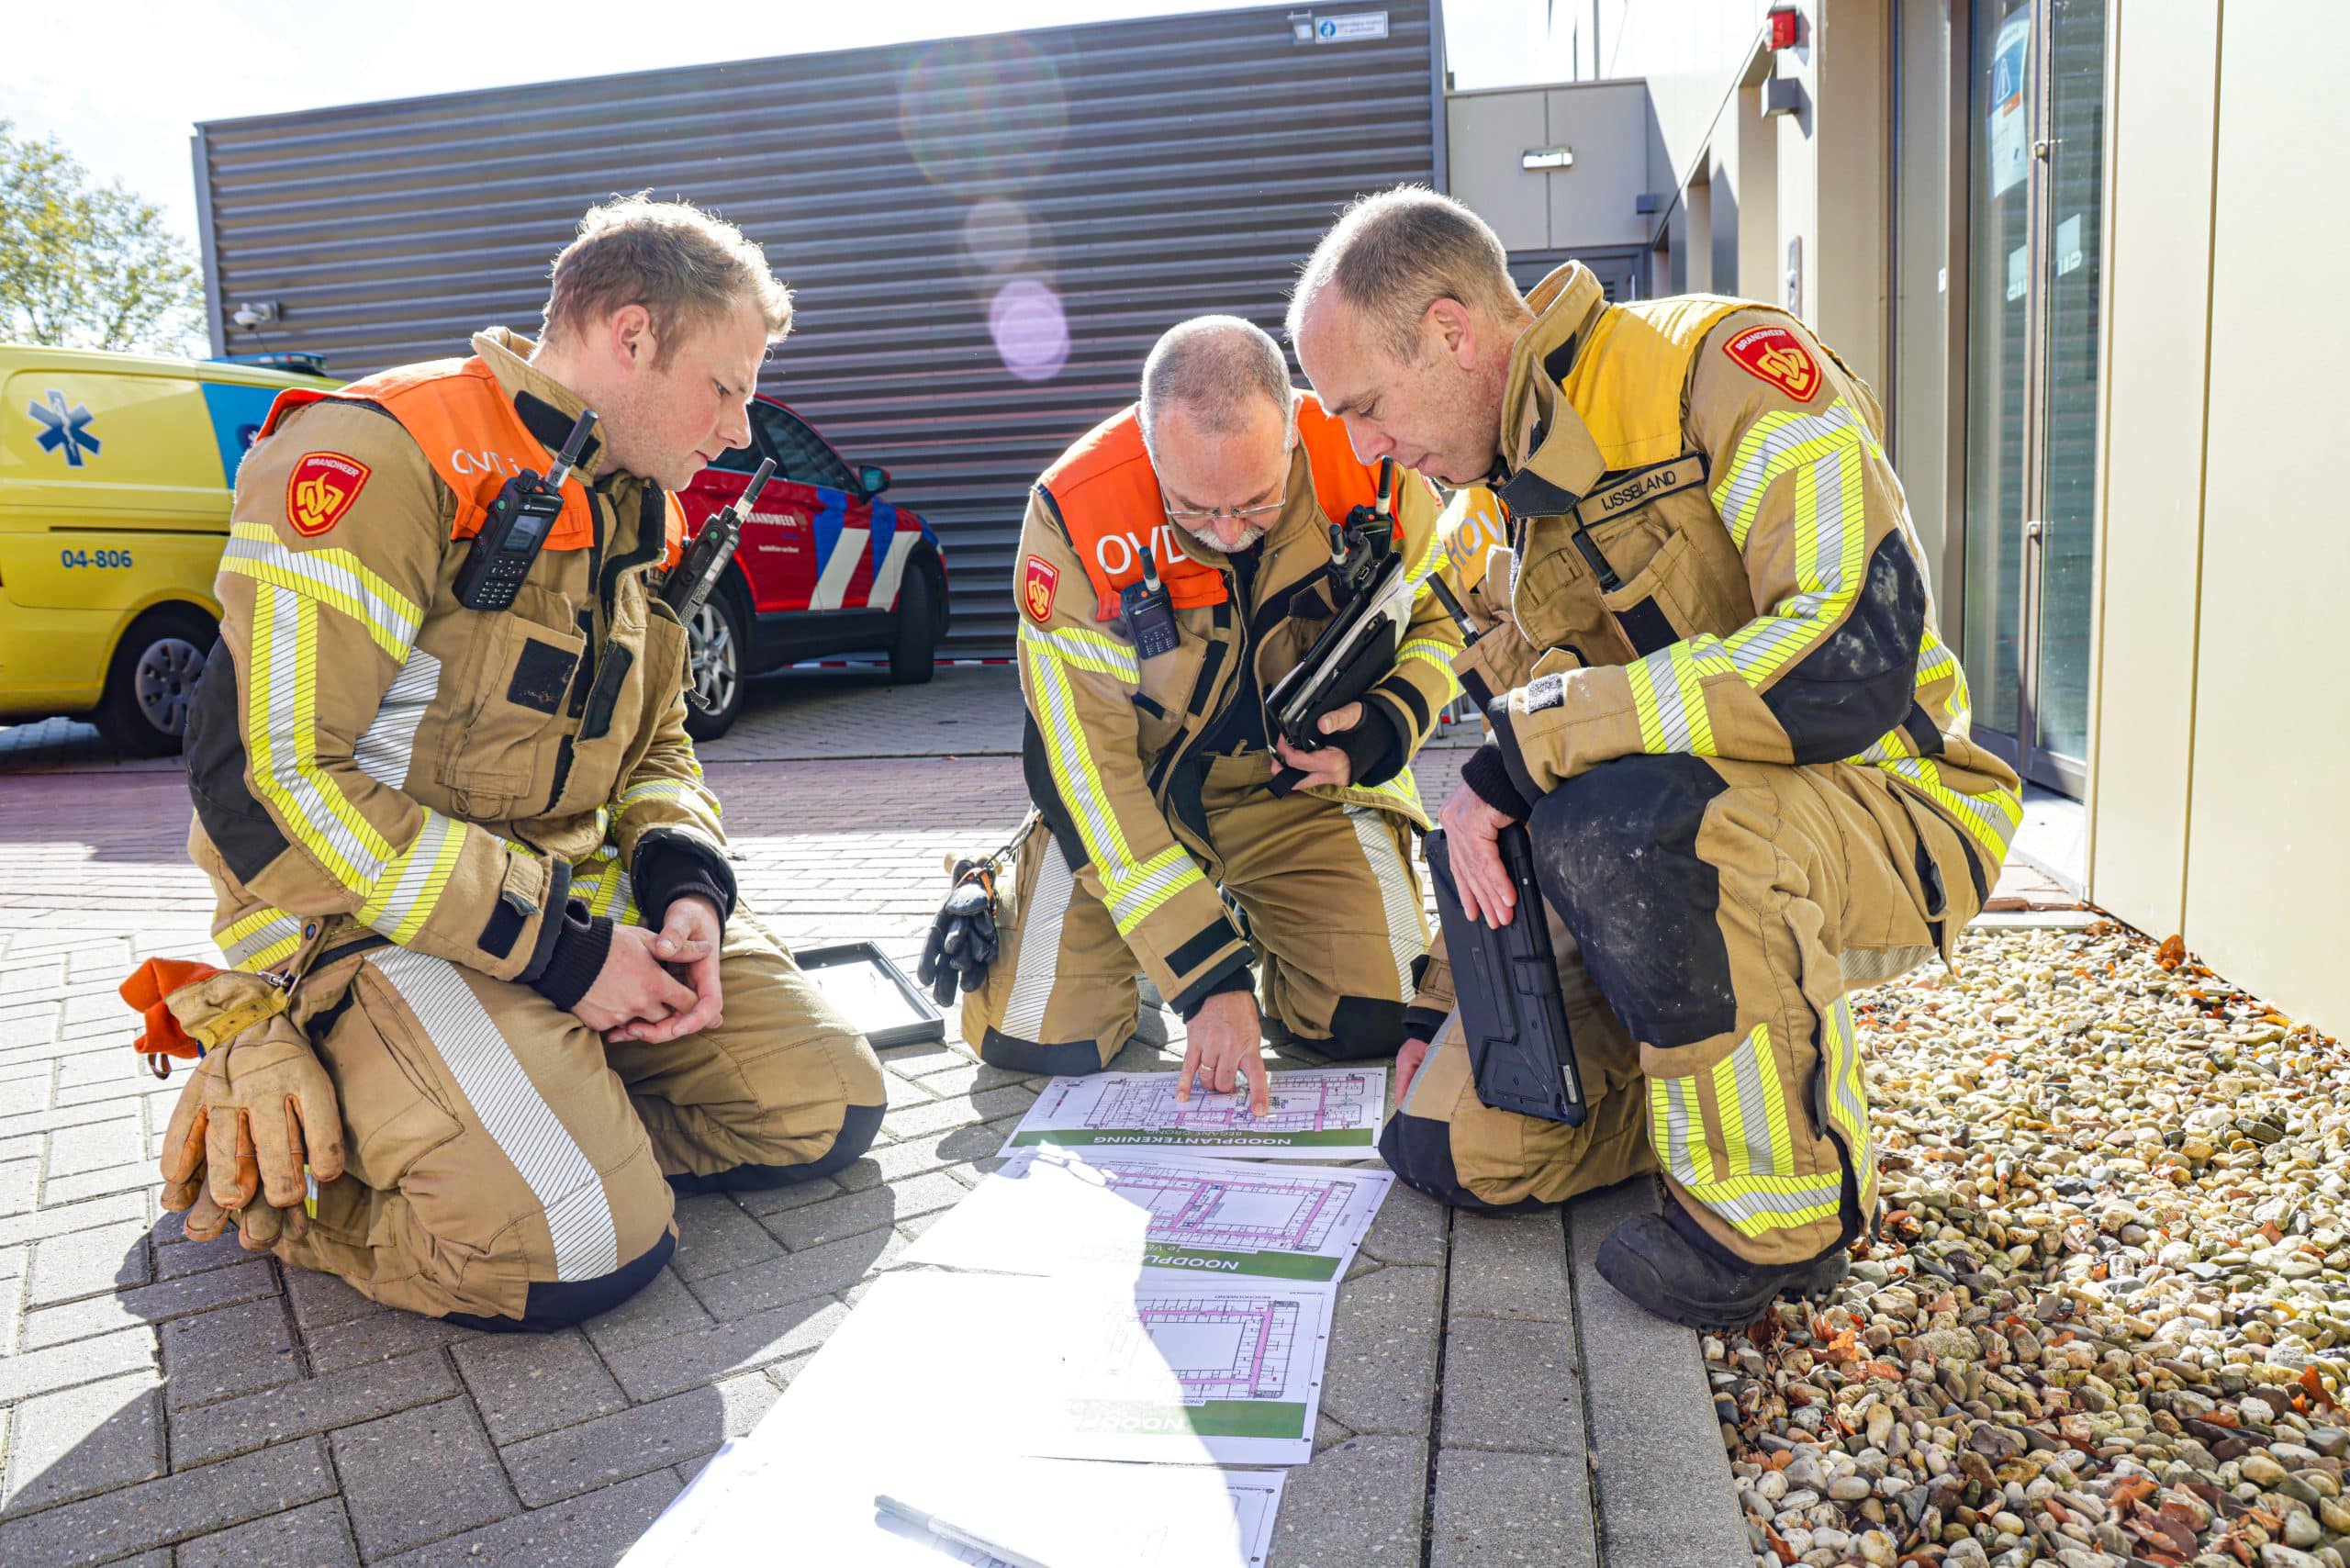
[1695, 1281]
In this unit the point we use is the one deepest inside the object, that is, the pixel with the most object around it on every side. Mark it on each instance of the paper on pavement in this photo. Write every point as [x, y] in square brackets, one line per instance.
[1314, 1113]
[1162, 1219]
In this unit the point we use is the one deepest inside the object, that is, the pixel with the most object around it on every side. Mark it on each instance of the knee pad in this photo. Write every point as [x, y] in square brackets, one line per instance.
[1361, 1028]
[564, 1304]
[859, 1126]
[1077, 1059]
[1419, 1150]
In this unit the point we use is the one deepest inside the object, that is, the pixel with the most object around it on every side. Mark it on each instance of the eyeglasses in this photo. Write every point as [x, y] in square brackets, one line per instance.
[1188, 518]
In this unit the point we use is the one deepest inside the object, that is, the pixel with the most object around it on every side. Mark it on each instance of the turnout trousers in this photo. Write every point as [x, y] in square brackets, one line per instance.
[1328, 897]
[1717, 915]
[509, 1168]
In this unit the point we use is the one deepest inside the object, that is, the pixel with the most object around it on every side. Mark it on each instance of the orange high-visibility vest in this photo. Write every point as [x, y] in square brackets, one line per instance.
[1106, 494]
[468, 429]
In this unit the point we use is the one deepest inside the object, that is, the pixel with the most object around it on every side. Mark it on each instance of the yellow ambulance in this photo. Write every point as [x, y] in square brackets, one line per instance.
[116, 472]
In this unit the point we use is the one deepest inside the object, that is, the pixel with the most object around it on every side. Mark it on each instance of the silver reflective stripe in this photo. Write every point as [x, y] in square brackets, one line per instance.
[292, 745]
[1399, 900]
[1680, 1105]
[516, 1117]
[1874, 965]
[1040, 946]
[1747, 1068]
[277, 931]
[382, 752]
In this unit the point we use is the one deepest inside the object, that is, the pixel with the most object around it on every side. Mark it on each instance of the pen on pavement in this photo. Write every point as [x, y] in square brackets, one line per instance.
[954, 1533]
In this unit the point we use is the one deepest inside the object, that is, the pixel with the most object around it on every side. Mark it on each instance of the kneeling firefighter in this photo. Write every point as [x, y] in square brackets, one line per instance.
[489, 997]
[1720, 712]
[1190, 576]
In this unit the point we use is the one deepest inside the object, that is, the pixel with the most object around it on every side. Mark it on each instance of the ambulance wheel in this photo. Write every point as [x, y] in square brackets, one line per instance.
[714, 669]
[151, 683]
[914, 657]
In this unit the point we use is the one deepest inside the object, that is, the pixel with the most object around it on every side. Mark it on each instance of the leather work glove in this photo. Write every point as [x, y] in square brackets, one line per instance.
[258, 1117]
[962, 939]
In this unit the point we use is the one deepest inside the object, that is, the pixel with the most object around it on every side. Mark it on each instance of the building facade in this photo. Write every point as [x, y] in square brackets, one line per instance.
[2080, 247]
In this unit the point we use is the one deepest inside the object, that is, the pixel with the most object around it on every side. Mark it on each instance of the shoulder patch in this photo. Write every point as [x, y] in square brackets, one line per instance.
[321, 489]
[1038, 581]
[1776, 355]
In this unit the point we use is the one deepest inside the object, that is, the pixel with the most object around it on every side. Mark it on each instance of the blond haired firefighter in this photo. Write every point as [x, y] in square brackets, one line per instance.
[1721, 708]
[1174, 839]
[480, 838]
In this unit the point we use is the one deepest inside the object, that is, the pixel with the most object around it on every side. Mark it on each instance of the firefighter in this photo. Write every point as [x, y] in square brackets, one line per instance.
[475, 844]
[1177, 838]
[1723, 712]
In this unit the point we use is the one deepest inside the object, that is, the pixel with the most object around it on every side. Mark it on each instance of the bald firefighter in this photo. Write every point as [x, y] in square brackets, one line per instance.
[1722, 712]
[1175, 565]
[468, 840]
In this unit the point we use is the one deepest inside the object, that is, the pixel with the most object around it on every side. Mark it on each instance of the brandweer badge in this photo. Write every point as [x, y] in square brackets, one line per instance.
[321, 489]
[1774, 354]
[1037, 585]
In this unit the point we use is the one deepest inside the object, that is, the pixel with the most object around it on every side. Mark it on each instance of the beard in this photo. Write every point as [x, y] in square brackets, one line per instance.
[1247, 537]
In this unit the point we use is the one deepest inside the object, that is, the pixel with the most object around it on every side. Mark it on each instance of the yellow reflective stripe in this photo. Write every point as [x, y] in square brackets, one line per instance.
[1669, 697]
[1403, 787]
[1154, 882]
[1755, 1205]
[1990, 819]
[264, 937]
[1087, 650]
[1772, 444]
[332, 576]
[678, 791]
[281, 738]
[1677, 1130]
[601, 883]
[412, 885]
[1848, 1095]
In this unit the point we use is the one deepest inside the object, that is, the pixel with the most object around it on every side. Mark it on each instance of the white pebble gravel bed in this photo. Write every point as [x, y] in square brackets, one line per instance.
[2108, 1312]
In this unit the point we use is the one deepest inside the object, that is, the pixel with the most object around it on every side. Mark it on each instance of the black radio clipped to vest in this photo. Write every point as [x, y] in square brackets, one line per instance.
[517, 528]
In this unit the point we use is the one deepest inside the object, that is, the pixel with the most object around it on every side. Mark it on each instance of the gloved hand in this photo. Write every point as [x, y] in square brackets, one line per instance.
[962, 939]
[258, 1115]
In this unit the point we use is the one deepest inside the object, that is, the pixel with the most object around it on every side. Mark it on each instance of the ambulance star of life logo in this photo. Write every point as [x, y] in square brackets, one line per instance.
[63, 429]
[322, 489]
[1775, 355]
[1038, 581]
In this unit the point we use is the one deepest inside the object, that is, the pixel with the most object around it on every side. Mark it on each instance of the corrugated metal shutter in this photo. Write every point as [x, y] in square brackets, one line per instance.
[984, 235]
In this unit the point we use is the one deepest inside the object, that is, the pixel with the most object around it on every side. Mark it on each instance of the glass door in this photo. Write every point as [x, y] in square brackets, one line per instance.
[2035, 223]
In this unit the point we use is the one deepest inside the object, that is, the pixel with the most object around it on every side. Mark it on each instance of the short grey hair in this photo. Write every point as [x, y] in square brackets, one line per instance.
[1212, 367]
[1393, 254]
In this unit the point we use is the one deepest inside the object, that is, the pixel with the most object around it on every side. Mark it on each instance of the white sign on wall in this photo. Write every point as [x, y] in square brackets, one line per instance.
[1355, 26]
[2010, 118]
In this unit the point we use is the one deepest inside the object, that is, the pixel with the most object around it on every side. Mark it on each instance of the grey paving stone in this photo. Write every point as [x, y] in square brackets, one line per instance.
[150, 1303]
[672, 1365]
[170, 1508]
[1664, 1482]
[116, 1142]
[1381, 1374]
[1327, 1432]
[963, 1076]
[417, 1476]
[19, 1185]
[90, 1262]
[1358, 1505]
[134, 1176]
[176, 1257]
[83, 1361]
[1514, 1266]
[1412, 1228]
[662, 1310]
[916, 1155]
[584, 1531]
[854, 1212]
[322, 1301]
[636, 1440]
[1516, 1507]
[219, 1354]
[85, 1440]
[799, 1194]
[714, 1235]
[379, 1337]
[317, 1536]
[527, 1384]
[320, 1403]
[1511, 1383]
[824, 1270]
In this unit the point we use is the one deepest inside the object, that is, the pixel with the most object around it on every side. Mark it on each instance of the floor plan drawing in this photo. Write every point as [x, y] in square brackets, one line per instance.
[1314, 1113]
[1153, 1216]
[1221, 1346]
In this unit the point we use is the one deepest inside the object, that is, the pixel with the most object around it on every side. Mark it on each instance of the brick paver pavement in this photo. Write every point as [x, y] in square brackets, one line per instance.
[164, 1400]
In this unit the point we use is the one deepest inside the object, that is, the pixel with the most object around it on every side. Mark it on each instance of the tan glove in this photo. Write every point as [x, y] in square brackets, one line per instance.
[258, 1115]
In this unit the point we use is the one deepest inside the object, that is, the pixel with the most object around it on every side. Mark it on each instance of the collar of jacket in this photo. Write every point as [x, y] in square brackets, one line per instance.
[1548, 455]
[546, 407]
[1293, 548]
